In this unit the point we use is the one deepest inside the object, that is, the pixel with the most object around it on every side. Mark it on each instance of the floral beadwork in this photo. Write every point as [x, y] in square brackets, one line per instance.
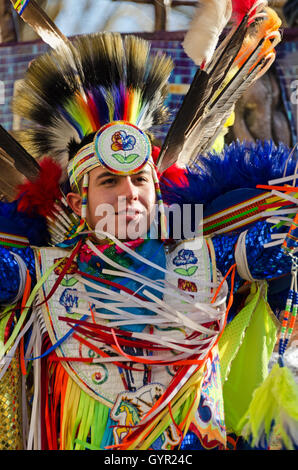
[69, 300]
[187, 285]
[68, 280]
[101, 375]
[121, 141]
[184, 258]
[72, 269]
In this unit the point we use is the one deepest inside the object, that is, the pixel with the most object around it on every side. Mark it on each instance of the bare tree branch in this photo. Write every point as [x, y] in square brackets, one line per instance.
[7, 27]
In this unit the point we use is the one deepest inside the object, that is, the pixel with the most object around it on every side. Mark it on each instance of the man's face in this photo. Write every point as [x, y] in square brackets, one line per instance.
[121, 205]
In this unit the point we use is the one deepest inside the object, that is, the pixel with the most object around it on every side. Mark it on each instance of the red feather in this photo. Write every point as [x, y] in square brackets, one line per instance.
[174, 175]
[241, 8]
[155, 152]
[39, 197]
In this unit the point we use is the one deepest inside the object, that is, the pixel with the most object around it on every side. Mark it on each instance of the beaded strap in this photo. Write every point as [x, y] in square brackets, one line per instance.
[20, 6]
[290, 314]
[83, 162]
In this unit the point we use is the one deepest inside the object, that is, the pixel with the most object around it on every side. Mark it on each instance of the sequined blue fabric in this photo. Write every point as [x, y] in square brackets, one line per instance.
[224, 246]
[9, 271]
[192, 442]
[264, 263]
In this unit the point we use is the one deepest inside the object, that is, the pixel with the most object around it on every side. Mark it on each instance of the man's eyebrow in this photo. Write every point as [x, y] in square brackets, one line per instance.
[103, 175]
[147, 171]
[107, 173]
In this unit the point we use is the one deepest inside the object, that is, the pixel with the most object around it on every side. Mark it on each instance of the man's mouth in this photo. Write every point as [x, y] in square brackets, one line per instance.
[130, 213]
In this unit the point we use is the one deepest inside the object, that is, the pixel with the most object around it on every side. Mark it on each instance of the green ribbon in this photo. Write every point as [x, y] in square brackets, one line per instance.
[28, 305]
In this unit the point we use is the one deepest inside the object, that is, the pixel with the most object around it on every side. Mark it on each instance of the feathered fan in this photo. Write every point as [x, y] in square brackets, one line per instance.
[243, 56]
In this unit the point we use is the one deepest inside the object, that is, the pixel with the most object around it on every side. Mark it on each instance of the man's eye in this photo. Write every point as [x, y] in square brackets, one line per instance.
[142, 179]
[109, 181]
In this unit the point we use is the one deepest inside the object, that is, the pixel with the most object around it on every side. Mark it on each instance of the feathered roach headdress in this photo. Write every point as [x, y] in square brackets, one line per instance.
[69, 94]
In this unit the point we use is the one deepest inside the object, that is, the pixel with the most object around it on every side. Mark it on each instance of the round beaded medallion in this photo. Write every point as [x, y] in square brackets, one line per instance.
[122, 147]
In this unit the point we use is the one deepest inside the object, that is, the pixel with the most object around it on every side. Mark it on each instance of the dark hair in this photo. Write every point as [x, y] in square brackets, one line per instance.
[74, 147]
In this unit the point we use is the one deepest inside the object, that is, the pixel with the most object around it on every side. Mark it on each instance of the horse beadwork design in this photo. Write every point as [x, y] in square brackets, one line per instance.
[129, 414]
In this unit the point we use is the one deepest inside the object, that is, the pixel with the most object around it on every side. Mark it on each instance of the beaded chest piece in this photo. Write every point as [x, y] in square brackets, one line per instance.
[88, 320]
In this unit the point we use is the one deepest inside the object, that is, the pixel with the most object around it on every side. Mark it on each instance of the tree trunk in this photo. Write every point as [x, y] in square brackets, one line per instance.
[7, 27]
[161, 8]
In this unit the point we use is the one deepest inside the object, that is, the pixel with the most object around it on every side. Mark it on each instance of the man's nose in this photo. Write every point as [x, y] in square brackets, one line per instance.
[128, 189]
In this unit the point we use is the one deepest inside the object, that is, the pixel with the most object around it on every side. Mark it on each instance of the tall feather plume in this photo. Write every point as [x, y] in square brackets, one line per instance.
[242, 13]
[9, 177]
[110, 79]
[245, 54]
[15, 165]
[23, 161]
[210, 19]
[203, 87]
[258, 56]
[39, 21]
[219, 112]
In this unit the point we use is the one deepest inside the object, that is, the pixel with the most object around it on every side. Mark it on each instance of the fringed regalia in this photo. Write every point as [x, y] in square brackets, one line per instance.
[155, 342]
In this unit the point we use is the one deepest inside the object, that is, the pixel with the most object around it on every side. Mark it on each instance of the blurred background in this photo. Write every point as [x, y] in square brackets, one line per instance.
[266, 111]
[86, 16]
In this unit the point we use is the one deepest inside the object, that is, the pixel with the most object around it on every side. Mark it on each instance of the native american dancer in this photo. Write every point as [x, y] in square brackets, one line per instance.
[115, 332]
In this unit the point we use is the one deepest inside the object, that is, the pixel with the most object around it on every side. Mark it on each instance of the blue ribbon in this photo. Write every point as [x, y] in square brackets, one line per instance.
[56, 345]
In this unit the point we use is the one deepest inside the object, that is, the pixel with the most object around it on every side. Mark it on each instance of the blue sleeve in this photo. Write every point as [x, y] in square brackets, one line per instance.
[224, 246]
[263, 263]
[10, 271]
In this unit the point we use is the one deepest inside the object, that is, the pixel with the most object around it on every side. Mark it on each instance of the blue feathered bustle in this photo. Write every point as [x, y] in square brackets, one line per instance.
[240, 165]
[17, 223]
